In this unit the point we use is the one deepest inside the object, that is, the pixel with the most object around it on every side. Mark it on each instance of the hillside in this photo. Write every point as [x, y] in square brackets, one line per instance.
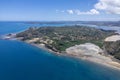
[60, 38]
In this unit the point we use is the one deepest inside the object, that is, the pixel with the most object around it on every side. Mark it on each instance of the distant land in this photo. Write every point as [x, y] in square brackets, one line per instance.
[98, 23]
[104, 23]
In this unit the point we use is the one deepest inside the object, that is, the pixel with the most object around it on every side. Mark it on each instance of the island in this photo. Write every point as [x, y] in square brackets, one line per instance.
[82, 42]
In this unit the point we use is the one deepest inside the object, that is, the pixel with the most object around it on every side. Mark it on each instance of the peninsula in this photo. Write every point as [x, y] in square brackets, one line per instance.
[82, 42]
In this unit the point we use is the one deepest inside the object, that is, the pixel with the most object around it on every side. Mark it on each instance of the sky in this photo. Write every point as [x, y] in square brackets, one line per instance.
[59, 10]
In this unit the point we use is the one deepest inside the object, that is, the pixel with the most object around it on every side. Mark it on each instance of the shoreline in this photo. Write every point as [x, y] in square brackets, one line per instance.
[114, 64]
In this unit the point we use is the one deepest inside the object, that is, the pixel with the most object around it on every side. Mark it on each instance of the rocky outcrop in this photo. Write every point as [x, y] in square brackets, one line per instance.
[87, 49]
[113, 38]
[112, 45]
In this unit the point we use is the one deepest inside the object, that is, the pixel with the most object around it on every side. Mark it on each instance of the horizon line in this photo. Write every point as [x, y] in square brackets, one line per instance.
[61, 21]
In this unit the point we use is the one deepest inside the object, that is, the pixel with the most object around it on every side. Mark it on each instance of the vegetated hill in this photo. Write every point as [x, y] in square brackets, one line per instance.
[60, 38]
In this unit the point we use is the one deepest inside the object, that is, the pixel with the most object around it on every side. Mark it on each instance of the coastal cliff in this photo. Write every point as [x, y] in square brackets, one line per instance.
[112, 46]
[92, 52]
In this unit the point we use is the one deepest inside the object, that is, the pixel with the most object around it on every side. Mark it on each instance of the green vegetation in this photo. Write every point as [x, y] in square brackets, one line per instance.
[60, 38]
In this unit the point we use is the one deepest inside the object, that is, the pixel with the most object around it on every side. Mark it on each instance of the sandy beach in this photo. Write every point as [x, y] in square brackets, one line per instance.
[107, 61]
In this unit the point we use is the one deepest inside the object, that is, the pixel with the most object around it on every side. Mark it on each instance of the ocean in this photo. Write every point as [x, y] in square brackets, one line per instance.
[22, 61]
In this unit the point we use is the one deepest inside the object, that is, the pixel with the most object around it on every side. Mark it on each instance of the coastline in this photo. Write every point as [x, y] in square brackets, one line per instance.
[113, 64]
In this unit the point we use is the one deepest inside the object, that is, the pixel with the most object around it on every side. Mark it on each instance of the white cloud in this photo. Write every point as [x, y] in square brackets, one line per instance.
[70, 11]
[78, 12]
[91, 12]
[109, 6]
[94, 11]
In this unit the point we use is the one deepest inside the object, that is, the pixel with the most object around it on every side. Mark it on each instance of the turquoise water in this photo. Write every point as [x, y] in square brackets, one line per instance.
[21, 61]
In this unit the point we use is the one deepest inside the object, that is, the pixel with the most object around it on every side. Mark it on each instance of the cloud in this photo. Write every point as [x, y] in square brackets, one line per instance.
[78, 12]
[109, 6]
[70, 11]
[91, 12]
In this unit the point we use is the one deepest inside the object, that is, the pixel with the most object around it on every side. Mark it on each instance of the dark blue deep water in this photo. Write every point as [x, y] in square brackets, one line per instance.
[21, 61]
